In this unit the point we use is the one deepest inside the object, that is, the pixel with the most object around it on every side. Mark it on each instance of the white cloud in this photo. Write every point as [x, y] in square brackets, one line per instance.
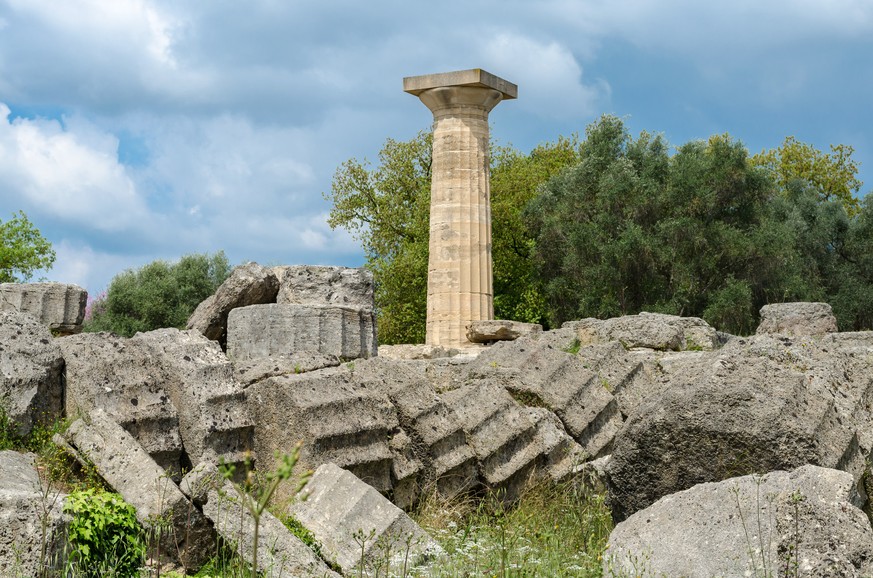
[233, 116]
[226, 163]
[80, 264]
[72, 175]
[549, 76]
[139, 22]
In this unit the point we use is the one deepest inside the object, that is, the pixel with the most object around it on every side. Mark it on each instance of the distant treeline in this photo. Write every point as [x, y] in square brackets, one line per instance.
[613, 225]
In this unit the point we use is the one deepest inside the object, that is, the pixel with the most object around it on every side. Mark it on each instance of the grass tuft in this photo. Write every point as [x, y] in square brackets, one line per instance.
[554, 529]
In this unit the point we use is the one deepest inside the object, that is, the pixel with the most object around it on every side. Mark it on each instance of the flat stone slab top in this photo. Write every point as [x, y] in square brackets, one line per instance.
[474, 77]
[490, 330]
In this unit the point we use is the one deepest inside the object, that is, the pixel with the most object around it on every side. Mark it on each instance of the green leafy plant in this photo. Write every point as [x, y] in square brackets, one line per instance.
[8, 437]
[105, 536]
[574, 347]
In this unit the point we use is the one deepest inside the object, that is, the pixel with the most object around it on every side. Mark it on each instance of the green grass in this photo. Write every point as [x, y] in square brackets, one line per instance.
[574, 347]
[553, 530]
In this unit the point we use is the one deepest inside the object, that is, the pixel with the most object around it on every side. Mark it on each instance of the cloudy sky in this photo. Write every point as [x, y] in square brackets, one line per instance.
[132, 130]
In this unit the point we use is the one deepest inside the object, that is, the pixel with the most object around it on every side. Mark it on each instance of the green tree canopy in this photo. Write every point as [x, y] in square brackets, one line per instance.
[837, 251]
[159, 294]
[387, 210]
[23, 250]
[516, 179]
[631, 228]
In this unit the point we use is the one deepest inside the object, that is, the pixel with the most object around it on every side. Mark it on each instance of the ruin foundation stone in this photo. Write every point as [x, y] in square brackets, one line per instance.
[321, 285]
[24, 507]
[338, 506]
[189, 539]
[798, 319]
[126, 379]
[271, 330]
[281, 554]
[248, 284]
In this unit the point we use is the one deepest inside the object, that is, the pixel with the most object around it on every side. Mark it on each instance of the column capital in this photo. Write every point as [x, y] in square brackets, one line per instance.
[450, 93]
[474, 78]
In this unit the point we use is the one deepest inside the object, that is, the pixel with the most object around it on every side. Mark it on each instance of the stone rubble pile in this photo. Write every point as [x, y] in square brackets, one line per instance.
[667, 407]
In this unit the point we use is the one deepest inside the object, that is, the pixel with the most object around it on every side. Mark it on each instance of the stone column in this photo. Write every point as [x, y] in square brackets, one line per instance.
[459, 279]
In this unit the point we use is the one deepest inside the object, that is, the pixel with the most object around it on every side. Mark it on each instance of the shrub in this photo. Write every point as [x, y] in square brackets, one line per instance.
[160, 294]
[105, 536]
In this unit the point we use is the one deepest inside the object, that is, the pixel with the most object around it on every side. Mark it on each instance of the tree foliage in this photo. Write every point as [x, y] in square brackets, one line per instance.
[159, 294]
[387, 210]
[836, 250]
[705, 232]
[833, 175]
[23, 250]
[515, 180]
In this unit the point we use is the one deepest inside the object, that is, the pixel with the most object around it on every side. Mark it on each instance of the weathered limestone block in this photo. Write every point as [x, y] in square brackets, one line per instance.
[248, 284]
[24, 506]
[487, 331]
[339, 505]
[505, 440]
[31, 365]
[281, 554]
[252, 371]
[127, 379]
[627, 375]
[537, 374]
[857, 341]
[338, 419]
[59, 306]
[756, 405]
[436, 433]
[697, 334]
[262, 331]
[800, 319]
[750, 525]
[631, 331]
[406, 471]
[188, 539]
[214, 420]
[322, 285]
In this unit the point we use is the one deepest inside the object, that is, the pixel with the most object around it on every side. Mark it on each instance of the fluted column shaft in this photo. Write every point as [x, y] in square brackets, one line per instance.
[459, 288]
